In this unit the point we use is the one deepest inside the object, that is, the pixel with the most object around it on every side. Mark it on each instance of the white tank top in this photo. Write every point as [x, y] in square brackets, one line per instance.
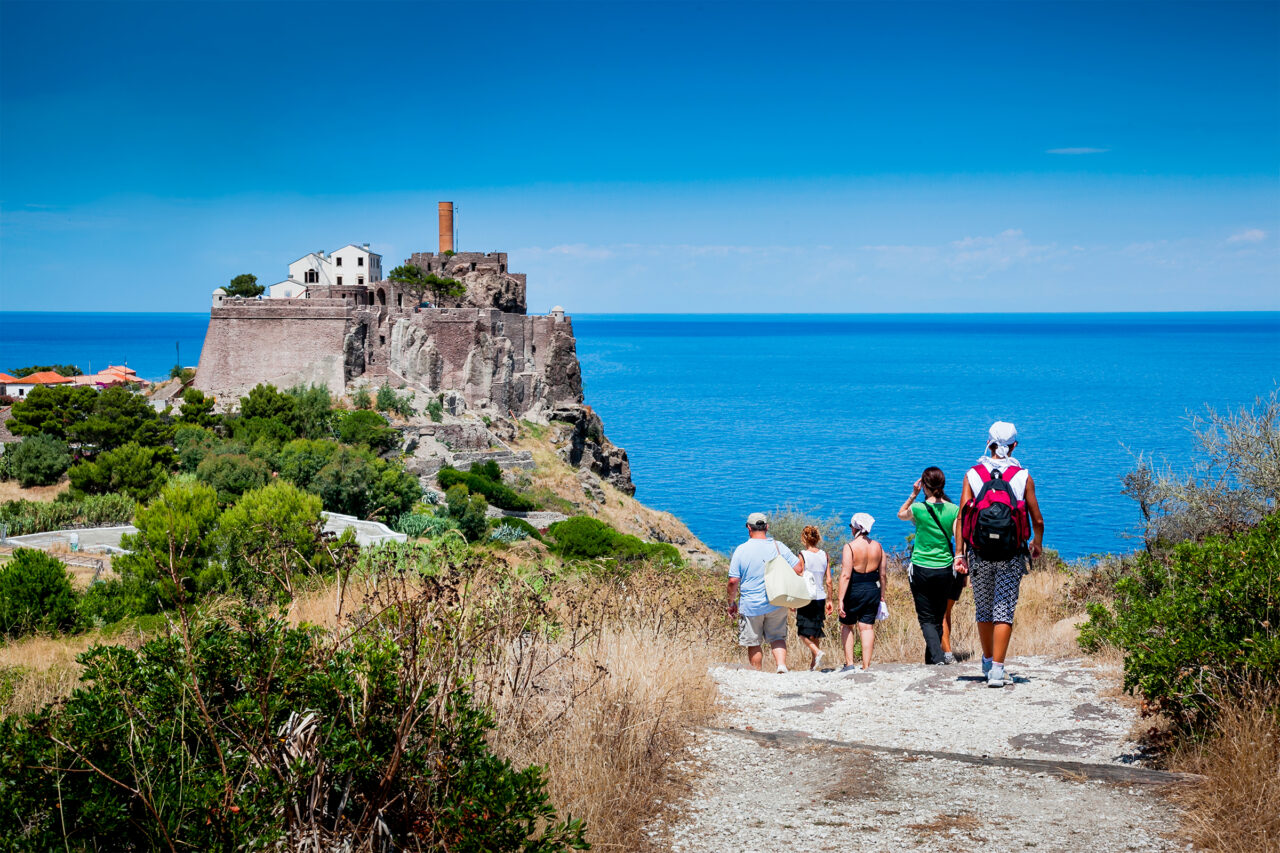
[1018, 483]
[816, 566]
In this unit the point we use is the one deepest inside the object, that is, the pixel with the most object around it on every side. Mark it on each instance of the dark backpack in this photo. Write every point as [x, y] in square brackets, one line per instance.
[994, 522]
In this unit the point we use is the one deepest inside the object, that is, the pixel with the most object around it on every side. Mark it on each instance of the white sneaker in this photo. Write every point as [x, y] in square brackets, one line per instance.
[781, 669]
[817, 660]
[996, 677]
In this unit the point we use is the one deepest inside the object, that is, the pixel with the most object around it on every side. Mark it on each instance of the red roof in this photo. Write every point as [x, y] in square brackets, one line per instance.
[44, 377]
[4, 377]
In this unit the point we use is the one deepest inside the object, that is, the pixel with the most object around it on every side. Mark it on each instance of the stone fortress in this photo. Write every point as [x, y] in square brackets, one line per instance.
[481, 352]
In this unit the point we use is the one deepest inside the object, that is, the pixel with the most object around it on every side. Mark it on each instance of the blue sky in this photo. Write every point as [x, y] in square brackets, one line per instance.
[651, 157]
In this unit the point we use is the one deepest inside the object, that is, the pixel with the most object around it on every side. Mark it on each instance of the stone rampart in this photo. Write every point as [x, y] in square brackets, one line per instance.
[282, 341]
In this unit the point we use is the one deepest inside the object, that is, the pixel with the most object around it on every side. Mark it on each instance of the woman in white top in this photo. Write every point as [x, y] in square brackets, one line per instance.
[811, 617]
[995, 579]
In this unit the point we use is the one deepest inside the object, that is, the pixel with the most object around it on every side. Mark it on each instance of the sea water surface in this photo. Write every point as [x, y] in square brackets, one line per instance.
[723, 415]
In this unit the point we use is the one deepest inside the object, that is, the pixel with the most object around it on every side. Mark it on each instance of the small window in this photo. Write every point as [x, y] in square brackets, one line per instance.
[339, 260]
[360, 262]
[339, 281]
[311, 277]
[382, 340]
[399, 300]
[360, 279]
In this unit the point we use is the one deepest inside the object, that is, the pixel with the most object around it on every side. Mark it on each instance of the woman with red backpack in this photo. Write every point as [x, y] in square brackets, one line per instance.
[998, 512]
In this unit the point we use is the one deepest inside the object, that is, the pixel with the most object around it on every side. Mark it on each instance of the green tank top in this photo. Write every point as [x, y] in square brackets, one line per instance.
[931, 547]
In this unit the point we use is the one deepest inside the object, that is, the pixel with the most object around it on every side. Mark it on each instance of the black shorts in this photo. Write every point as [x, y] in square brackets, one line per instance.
[958, 583]
[810, 618]
[861, 601]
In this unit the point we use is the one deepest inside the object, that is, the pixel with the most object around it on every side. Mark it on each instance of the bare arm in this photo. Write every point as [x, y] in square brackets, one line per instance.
[966, 495]
[846, 571]
[904, 512]
[884, 574]
[1037, 520]
[732, 605]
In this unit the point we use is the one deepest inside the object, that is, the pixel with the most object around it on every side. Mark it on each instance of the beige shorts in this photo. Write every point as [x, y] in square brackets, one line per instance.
[769, 627]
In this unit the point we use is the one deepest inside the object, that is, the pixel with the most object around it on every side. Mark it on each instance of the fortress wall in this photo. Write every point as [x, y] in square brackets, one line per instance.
[282, 341]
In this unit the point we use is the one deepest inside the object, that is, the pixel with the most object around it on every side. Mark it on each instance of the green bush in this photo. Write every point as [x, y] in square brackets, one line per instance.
[361, 399]
[435, 410]
[173, 545]
[197, 409]
[355, 482]
[519, 524]
[586, 538]
[271, 535]
[367, 429]
[38, 460]
[108, 602]
[1199, 625]
[420, 524]
[468, 511]
[233, 474]
[136, 471]
[488, 469]
[494, 491]
[288, 739]
[301, 459]
[35, 594]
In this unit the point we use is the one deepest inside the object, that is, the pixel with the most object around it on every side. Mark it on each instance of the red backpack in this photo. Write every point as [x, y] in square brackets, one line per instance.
[994, 522]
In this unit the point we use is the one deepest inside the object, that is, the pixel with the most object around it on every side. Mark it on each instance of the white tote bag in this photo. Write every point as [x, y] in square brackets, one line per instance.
[784, 587]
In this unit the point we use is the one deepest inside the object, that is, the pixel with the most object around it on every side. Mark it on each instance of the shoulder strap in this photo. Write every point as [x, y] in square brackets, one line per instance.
[983, 474]
[945, 535]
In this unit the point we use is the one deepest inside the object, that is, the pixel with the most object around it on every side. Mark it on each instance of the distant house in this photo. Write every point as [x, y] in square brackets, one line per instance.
[5, 381]
[115, 374]
[21, 386]
[349, 265]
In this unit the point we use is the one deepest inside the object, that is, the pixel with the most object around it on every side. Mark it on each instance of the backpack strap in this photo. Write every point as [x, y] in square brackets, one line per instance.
[945, 535]
[983, 474]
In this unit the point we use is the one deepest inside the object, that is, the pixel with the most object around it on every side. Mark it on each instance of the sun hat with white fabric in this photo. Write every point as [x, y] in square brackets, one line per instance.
[1003, 435]
[862, 521]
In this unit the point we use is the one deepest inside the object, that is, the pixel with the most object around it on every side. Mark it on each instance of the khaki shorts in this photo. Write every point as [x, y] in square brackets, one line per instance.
[771, 627]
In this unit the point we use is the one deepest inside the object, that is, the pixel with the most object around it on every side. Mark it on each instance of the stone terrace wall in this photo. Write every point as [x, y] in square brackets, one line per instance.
[281, 341]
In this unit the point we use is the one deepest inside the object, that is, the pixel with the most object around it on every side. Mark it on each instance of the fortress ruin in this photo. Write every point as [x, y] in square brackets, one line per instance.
[482, 346]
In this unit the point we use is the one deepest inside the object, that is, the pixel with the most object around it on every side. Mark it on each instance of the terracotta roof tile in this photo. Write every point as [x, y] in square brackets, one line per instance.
[44, 377]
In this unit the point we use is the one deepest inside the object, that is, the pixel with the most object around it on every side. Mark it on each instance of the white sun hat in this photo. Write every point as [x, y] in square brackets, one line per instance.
[863, 521]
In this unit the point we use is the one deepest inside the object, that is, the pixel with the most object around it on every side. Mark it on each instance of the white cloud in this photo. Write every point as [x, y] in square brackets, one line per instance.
[1253, 235]
[1077, 151]
[972, 257]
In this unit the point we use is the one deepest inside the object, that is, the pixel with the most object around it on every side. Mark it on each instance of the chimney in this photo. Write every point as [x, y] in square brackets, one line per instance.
[446, 226]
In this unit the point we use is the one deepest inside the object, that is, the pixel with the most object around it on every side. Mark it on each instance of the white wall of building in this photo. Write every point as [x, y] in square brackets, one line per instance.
[355, 265]
[349, 265]
[287, 289]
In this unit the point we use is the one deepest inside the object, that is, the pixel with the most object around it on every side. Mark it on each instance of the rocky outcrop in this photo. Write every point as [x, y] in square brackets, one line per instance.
[579, 433]
[488, 283]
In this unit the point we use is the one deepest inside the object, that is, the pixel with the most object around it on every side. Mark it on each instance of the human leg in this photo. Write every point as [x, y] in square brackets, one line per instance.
[1001, 633]
[1008, 581]
[867, 633]
[774, 630]
[755, 656]
[750, 637]
[849, 641]
[929, 591]
[982, 579]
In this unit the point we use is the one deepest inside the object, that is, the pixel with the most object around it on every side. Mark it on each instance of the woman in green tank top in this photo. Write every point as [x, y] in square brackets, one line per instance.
[934, 585]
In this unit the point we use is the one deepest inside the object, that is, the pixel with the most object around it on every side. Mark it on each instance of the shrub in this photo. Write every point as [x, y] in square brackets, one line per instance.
[268, 537]
[108, 602]
[232, 474]
[38, 460]
[1231, 486]
[385, 399]
[507, 533]
[468, 510]
[35, 594]
[301, 459]
[519, 524]
[312, 411]
[361, 399]
[435, 410]
[355, 482]
[1198, 626]
[420, 524]
[172, 547]
[583, 537]
[136, 471]
[253, 735]
[495, 492]
[367, 429]
[488, 469]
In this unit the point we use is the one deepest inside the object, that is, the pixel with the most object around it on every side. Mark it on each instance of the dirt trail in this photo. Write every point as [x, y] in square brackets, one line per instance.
[862, 768]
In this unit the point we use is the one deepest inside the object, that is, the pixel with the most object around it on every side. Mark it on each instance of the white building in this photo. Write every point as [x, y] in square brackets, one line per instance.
[349, 265]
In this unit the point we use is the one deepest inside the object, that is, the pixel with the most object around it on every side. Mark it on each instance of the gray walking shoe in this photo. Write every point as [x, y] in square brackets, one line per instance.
[948, 658]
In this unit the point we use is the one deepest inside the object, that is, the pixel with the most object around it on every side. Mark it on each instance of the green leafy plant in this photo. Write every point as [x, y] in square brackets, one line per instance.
[133, 470]
[1198, 625]
[435, 410]
[270, 536]
[468, 511]
[23, 516]
[361, 399]
[368, 429]
[35, 594]
[173, 547]
[508, 533]
[583, 537]
[245, 285]
[38, 460]
[418, 524]
[233, 474]
[494, 491]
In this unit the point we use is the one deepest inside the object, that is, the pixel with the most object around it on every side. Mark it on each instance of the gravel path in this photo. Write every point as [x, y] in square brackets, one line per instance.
[766, 796]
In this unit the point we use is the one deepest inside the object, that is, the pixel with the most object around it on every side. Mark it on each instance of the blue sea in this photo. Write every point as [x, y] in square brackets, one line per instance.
[723, 415]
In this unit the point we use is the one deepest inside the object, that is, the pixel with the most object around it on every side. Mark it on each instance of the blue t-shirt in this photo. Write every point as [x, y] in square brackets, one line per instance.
[747, 566]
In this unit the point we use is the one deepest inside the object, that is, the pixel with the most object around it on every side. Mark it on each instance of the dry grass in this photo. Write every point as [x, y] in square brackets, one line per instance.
[11, 491]
[1237, 808]
[35, 671]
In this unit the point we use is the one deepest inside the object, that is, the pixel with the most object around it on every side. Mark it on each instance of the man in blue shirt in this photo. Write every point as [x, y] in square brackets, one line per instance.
[759, 621]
